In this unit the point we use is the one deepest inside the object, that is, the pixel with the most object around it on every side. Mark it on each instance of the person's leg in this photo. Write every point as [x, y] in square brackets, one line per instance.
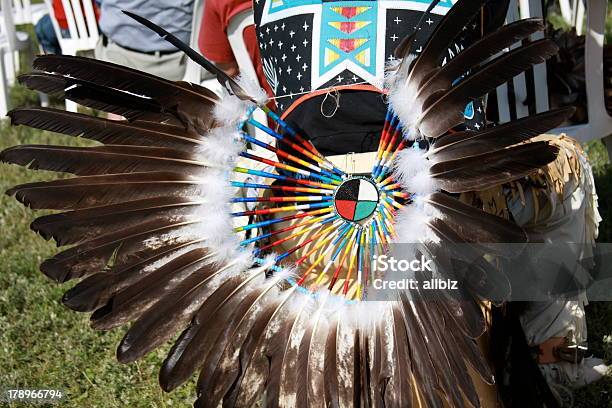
[46, 35]
[566, 220]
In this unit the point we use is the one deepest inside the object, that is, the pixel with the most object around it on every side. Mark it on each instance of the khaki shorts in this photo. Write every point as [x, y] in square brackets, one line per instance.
[168, 66]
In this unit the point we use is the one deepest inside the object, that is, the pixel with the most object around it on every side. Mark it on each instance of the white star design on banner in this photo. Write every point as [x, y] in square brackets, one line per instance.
[317, 76]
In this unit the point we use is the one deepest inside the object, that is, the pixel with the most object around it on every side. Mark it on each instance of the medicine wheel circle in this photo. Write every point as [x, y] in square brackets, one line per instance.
[356, 199]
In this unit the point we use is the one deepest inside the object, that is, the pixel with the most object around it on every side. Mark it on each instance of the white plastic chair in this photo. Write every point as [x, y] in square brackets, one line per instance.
[22, 13]
[194, 72]
[235, 35]
[524, 9]
[4, 99]
[573, 14]
[11, 41]
[26, 13]
[82, 26]
[600, 123]
[83, 29]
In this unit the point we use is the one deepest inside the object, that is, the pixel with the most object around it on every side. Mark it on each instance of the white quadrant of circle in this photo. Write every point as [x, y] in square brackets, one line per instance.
[367, 191]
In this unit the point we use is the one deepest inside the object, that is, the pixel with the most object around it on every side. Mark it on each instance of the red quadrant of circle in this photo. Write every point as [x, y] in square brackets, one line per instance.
[346, 208]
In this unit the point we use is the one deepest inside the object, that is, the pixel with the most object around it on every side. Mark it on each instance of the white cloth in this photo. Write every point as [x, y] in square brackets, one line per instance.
[572, 219]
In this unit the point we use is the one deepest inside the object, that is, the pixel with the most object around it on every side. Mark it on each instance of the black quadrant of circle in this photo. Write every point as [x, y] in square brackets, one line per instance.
[349, 190]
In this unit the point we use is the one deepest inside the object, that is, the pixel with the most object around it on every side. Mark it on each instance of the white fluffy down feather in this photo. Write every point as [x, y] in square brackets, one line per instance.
[218, 191]
[411, 170]
[221, 146]
[231, 110]
[216, 225]
[411, 225]
[402, 95]
[253, 89]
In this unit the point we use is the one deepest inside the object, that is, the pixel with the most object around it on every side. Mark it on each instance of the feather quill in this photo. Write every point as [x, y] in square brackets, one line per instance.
[405, 46]
[224, 79]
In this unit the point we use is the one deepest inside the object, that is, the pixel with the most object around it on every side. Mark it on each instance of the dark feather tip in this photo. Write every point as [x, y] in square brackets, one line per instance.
[4, 153]
[35, 226]
[11, 114]
[74, 301]
[164, 381]
[124, 353]
[165, 377]
[86, 295]
[50, 270]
